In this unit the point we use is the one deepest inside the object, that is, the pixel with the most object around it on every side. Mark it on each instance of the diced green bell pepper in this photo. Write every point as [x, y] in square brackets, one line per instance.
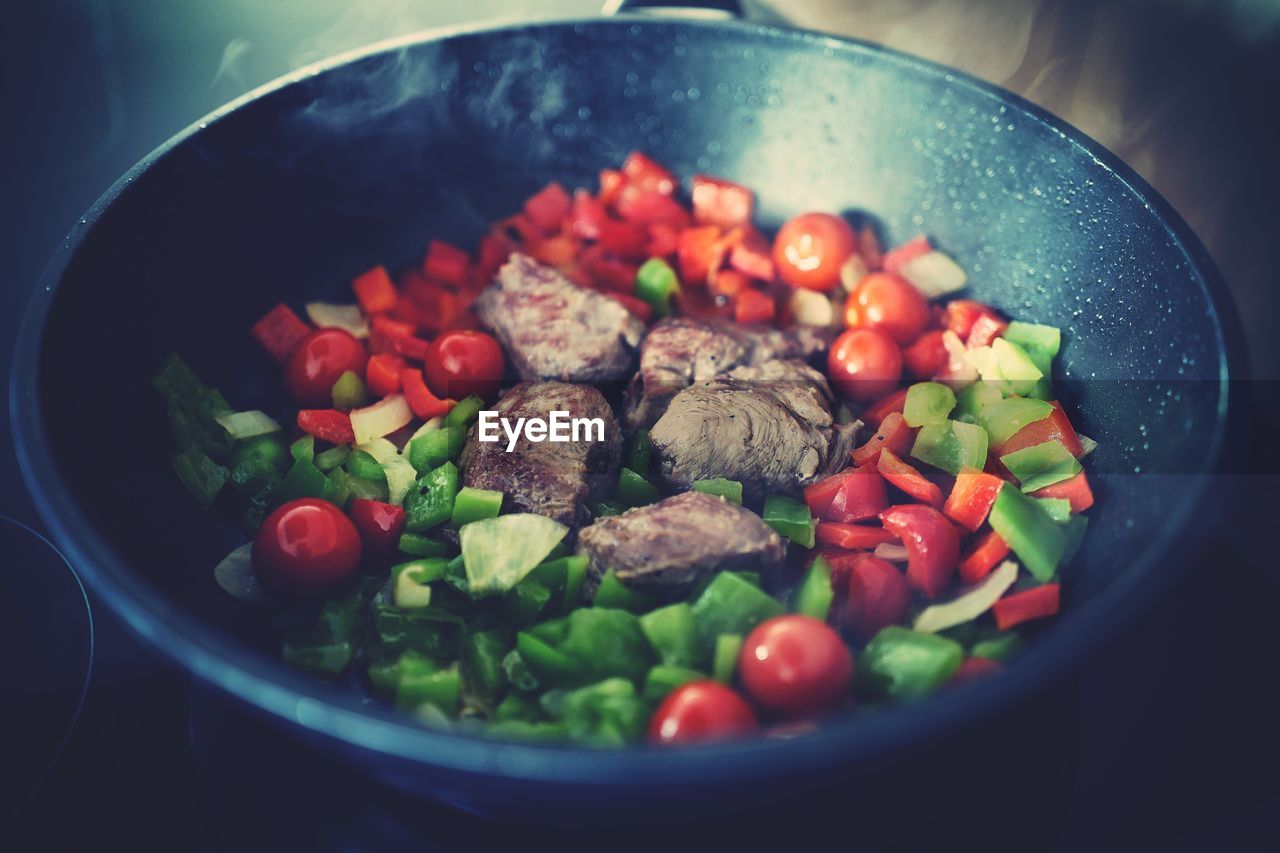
[657, 284]
[323, 657]
[200, 475]
[1004, 418]
[546, 664]
[410, 581]
[724, 660]
[428, 630]
[1041, 465]
[639, 452]
[673, 634]
[420, 546]
[605, 508]
[790, 518]
[522, 604]
[614, 593]
[435, 447]
[1040, 343]
[951, 446]
[303, 448]
[1032, 534]
[268, 449]
[563, 576]
[607, 643]
[635, 490]
[349, 392]
[475, 504]
[905, 665]
[362, 464]
[1018, 372]
[814, 595]
[516, 705]
[928, 403]
[998, 646]
[719, 487]
[368, 490]
[430, 501]
[973, 398]
[420, 680]
[608, 713]
[1074, 529]
[1059, 509]
[731, 605]
[464, 412]
[332, 458]
[662, 679]
[305, 480]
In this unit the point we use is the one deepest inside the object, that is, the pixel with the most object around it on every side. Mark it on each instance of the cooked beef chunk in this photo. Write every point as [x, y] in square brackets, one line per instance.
[680, 350]
[554, 479]
[667, 546]
[553, 329]
[767, 425]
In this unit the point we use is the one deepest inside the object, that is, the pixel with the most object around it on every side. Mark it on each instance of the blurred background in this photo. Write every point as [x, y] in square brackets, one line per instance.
[1185, 91]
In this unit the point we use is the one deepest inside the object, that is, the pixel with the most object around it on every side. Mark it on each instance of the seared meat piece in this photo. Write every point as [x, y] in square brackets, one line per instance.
[554, 479]
[768, 426]
[553, 329]
[667, 546]
[680, 350]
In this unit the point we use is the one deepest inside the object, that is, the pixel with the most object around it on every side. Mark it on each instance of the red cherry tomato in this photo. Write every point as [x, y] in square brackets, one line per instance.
[306, 547]
[932, 543]
[379, 525]
[810, 249]
[877, 595]
[888, 302]
[317, 362]
[864, 364]
[701, 711]
[464, 362]
[795, 666]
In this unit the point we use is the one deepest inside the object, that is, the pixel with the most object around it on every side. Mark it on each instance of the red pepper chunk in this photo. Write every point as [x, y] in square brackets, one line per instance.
[379, 525]
[720, 202]
[752, 257]
[1076, 490]
[893, 434]
[851, 537]
[279, 331]
[972, 669]
[926, 357]
[648, 208]
[882, 407]
[961, 314]
[548, 207]
[1035, 603]
[696, 252]
[907, 478]
[985, 329]
[932, 543]
[915, 247]
[375, 292]
[447, 263]
[971, 498]
[983, 557]
[638, 307]
[327, 425]
[627, 240]
[753, 306]
[424, 404]
[644, 173]
[854, 494]
[382, 373]
[1056, 427]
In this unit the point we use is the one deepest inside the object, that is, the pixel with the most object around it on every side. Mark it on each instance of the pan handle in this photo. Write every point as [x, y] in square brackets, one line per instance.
[676, 8]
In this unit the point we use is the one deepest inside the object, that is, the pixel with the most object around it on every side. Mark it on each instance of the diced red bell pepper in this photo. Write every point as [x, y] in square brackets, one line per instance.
[752, 257]
[910, 250]
[851, 537]
[979, 560]
[720, 202]
[1076, 490]
[279, 331]
[971, 669]
[819, 495]
[1035, 603]
[664, 239]
[382, 373]
[374, 291]
[379, 525]
[876, 596]
[586, 214]
[548, 207]
[647, 174]
[932, 543]
[729, 283]
[971, 498]
[447, 263]
[607, 271]
[611, 183]
[638, 307]
[878, 410]
[518, 229]
[907, 478]
[646, 207]
[411, 347]
[495, 248]
[424, 404]
[625, 239]
[984, 330]
[961, 314]
[860, 497]
[391, 328]
[327, 425]
[557, 251]
[1056, 427]
[892, 434]
[753, 306]
[927, 356]
[696, 252]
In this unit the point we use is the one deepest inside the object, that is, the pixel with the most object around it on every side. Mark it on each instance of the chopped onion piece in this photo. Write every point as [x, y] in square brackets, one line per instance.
[382, 418]
[347, 317]
[969, 605]
[934, 274]
[960, 370]
[242, 425]
[235, 575]
[892, 551]
[811, 308]
[400, 474]
[1087, 443]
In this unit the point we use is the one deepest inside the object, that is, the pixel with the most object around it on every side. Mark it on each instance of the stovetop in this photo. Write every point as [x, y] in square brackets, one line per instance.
[1161, 742]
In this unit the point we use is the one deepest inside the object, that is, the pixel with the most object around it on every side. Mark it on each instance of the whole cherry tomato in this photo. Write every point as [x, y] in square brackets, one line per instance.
[701, 711]
[317, 362]
[878, 595]
[864, 364]
[890, 303]
[464, 362]
[306, 547]
[795, 665]
[810, 249]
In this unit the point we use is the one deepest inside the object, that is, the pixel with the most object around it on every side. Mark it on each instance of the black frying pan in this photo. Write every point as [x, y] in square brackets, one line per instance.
[289, 192]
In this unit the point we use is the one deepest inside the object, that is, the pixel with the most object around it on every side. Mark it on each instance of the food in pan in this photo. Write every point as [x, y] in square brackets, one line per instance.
[630, 471]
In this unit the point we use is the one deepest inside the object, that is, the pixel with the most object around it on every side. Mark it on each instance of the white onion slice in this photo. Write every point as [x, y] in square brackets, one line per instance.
[400, 474]
[382, 418]
[235, 575]
[811, 308]
[326, 315]
[892, 551]
[242, 425]
[969, 605]
[934, 274]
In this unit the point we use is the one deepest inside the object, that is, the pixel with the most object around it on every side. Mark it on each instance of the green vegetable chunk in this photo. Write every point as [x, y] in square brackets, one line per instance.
[973, 398]
[639, 452]
[724, 660]
[1040, 343]
[435, 447]
[409, 581]
[951, 446]
[605, 714]
[464, 412]
[656, 283]
[1041, 465]
[614, 593]
[421, 546]
[928, 403]
[814, 595]
[790, 518]
[1031, 532]
[421, 681]
[999, 646]
[906, 665]
[635, 490]
[362, 464]
[662, 679]
[475, 504]
[719, 487]
[731, 605]
[606, 643]
[673, 634]
[200, 475]
[522, 604]
[349, 392]
[498, 552]
[1004, 418]
[430, 501]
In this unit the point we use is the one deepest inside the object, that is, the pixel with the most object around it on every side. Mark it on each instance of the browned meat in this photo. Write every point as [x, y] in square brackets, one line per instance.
[554, 479]
[553, 329]
[680, 350]
[667, 546]
[768, 426]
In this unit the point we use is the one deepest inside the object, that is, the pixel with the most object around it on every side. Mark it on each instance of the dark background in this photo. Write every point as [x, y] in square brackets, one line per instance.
[1171, 745]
